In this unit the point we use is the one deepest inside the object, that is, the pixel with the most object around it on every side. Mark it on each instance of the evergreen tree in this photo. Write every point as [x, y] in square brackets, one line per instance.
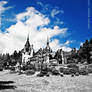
[84, 51]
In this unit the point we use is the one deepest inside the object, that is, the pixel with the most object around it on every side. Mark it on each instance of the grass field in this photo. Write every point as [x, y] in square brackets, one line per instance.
[32, 83]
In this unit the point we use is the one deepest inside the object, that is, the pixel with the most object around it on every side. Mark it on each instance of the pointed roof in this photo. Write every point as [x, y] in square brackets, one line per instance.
[47, 40]
[27, 42]
[48, 49]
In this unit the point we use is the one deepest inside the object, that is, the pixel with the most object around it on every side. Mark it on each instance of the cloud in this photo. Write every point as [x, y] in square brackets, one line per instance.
[81, 43]
[68, 42]
[40, 3]
[55, 12]
[56, 45]
[28, 22]
[2, 8]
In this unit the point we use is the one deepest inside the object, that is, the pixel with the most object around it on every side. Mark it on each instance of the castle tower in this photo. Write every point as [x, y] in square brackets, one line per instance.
[47, 51]
[47, 48]
[27, 51]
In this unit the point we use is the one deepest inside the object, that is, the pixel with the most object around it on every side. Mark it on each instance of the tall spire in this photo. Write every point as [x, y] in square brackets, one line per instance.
[47, 40]
[28, 37]
[27, 42]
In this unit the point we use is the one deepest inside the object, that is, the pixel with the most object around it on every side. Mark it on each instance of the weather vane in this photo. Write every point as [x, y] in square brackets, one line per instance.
[88, 14]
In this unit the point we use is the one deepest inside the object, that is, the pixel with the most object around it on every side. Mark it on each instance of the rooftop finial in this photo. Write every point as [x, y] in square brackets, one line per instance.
[47, 40]
[28, 36]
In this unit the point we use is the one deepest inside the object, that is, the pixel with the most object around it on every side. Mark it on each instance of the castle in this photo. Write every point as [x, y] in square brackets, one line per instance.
[42, 55]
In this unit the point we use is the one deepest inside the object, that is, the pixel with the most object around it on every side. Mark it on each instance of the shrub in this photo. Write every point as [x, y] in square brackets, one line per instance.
[61, 75]
[13, 72]
[1, 69]
[72, 75]
[30, 72]
[19, 73]
[55, 72]
[61, 69]
[47, 75]
[73, 70]
[40, 75]
[83, 71]
[73, 66]
[52, 69]
[77, 74]
[24, 68]
[12, 68]
[30, 66]
[89, 68]
[66, 71]
[44, 72]
[6, 67]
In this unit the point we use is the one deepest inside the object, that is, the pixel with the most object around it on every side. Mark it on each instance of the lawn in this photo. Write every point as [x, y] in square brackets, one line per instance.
[24, 83]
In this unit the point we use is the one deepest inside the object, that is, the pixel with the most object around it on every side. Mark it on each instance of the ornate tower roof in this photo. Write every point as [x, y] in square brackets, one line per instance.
[27, 42]
[27, 45]
[47, 41]
[48, 49]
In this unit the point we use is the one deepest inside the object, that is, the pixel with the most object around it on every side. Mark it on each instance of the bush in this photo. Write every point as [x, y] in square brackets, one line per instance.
[55, 72]
[61, 69]
[30, 66]
[83, 71]
[24, 68]
[77, 74]
[19, 73]
[13, 72]
[47, 75]
[66, 71]
[61, 75]
[1, 69]
[73, 66]
[30, 72]
[40, 75]
[6, 67]
[44, 72]
[89, 68]
[12, 68]
[72, 75]
[73, 70]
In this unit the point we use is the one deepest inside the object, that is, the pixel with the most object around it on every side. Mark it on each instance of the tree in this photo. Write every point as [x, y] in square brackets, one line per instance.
[58, 56]
[84, 51]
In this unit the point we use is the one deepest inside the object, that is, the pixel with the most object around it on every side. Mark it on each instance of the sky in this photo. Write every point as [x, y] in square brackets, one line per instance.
[64, 22]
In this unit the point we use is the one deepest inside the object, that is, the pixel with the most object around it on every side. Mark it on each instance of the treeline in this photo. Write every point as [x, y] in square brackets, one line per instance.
[85, 52]
[10, 60]
[83, 55]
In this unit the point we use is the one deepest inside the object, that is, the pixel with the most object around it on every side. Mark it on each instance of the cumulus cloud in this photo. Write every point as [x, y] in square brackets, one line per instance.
[28, 22]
